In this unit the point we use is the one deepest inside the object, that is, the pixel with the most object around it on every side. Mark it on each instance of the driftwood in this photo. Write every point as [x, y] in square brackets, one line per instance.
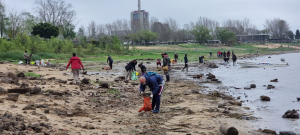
[228, 130]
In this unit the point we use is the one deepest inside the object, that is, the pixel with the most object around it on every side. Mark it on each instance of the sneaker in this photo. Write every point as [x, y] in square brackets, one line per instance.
[155, 111]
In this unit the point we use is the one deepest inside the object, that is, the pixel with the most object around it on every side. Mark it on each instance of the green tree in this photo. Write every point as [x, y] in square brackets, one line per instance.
[297, 36]
[226, 36]
[45, 30]
[67, 30]
[291, 35]
[148, 36]
[201, 34]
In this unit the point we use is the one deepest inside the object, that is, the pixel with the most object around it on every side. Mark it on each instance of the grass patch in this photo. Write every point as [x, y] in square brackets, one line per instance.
[32, 75]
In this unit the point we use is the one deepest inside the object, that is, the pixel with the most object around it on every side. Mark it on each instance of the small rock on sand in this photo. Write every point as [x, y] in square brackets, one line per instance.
[265, 98]
[13, 96]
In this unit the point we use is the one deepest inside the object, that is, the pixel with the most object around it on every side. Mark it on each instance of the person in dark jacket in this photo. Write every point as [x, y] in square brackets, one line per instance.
[186, 63]
[234, 59]
[110, 60]
[76, 66]
[166, 63]
[156, 84]
[176, 57]
[201, 59]
[143, 68]
[129, 68]
[224, 54]
[210, 54]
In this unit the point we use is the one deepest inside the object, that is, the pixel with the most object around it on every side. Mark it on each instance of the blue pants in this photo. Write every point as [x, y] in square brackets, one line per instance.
[156, 98]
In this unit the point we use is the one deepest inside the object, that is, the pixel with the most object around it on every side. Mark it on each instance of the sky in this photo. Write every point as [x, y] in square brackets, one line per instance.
[183, 11]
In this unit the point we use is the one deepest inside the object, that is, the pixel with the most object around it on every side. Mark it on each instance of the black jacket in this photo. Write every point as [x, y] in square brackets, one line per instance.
[186, 59]
[144, 69]
[130, 66]
[176, 56]
[109, 59]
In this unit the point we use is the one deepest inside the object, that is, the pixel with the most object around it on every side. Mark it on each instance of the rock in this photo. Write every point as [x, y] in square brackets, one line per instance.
[3, 91]
[13, 96]
[69, 113]
[62, 81]
[298, 98]
[212, 65]
[32, 78]
[126, 81]
[1, 62]
[117, 80]
[88, 126]
[291, 114]
[21, 74]
[104, 85]
[190, 111]
[265, 98]
[27, 94]
[51, 78]
[24, 85]
[85, 81]
[43, 83]
[286, 133]
[134, 83]
[19, 90]
[148, 62]
[35, 90]
[221, 105]
[235, 103]
[270, 87]
[46, 111]
[275, 80]
[41, 106]
[30, 70]
[247, 88]
[61, 69]
[11, 75]
[268, 131]
[30, 107]
[252, 86]
[121, 78]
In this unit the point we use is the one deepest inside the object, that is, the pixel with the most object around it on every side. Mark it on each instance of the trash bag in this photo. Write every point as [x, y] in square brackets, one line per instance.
[134, 76]
[147, 105]
[32, 62]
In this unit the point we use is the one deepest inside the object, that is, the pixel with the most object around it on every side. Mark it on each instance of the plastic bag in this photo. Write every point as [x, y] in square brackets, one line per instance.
[134, 76]
[147, 105]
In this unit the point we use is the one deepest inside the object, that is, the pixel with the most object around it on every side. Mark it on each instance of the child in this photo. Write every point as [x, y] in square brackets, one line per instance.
[158, 63]
[143, 68]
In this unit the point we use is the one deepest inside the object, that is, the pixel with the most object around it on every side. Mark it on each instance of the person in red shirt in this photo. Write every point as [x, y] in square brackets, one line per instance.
[76, 66]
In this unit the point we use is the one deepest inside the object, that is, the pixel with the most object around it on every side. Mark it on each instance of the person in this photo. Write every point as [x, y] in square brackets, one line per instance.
[76, 66]
[158, 63]
[234, 59]
[156, 84]
[228, 54]
[210, 54]
[143, 68]
[129, 68]
[186, 63]
[166, 63]
[110, 60]
[221, 54]
[201, 59]
[26, 58]
[176, 57]
[224, 54]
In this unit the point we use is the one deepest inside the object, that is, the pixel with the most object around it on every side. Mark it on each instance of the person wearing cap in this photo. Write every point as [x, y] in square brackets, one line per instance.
[156, 84]
[76, 66]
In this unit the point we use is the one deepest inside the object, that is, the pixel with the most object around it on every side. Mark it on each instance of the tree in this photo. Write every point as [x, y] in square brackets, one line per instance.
[279, 28]
[15, 22]
[45, 30]
[297, 36]
[28, 23]
[148, 36]
[291, 35]
[226, 36]
[55, 11]
[201, 34]
[2, 17]
[67, 30]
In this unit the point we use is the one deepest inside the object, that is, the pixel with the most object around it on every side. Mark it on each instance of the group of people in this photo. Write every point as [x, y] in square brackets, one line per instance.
[224, 54]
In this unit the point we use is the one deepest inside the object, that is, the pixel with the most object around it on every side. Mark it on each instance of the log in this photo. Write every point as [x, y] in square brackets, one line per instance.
[228, 130]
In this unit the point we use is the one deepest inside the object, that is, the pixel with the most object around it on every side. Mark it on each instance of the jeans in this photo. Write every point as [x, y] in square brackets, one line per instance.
[156, 98]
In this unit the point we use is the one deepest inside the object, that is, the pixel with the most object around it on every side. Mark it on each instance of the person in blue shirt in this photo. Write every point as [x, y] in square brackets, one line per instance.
[156, 84]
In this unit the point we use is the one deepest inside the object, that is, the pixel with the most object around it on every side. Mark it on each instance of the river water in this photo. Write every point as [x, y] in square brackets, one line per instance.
[283, 97]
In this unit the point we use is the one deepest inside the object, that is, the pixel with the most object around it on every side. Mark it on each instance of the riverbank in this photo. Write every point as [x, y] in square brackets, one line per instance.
[90, 109]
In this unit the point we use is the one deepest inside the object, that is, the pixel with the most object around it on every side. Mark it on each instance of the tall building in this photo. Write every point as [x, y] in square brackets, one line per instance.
[139, 19]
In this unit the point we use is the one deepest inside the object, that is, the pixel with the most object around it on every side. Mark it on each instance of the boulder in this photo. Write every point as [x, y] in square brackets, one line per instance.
[13, 96]
[268, 131]
[252, 86]
[29, 107]
[265, 98]
[21, 74]
[286, 133]
[3, 91]
[275, 80]
[104, 85]
[85, 81]
[291, 114]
